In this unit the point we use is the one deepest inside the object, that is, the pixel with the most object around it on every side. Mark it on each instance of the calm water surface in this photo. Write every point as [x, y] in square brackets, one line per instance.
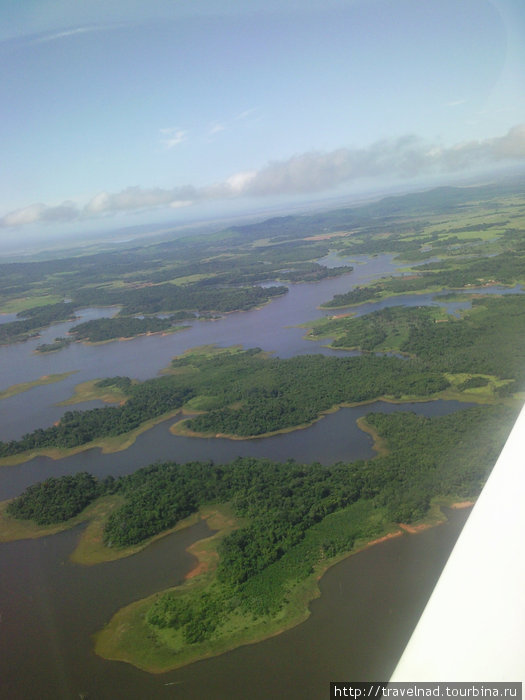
[270, 327]
[357, 630]
[334, 438]
[273, 328]
[49, 607]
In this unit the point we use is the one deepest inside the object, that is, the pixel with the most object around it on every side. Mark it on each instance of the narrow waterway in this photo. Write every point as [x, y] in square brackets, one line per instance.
[334, 438]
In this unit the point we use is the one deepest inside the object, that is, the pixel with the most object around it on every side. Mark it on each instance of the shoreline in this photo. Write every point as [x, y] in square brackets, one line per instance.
[428, 290]
[179, 428]
[108, 445]
[125, 338]
[128, 624]
[119, 443]
[44, 380]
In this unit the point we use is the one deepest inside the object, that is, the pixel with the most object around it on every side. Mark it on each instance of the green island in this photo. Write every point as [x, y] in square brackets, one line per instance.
[484, 341]
[15, 389]
[181, 279]
[101, 330]
[240, 393]
[275, 527]
[57, 344]
[278, 527]
[504, 269]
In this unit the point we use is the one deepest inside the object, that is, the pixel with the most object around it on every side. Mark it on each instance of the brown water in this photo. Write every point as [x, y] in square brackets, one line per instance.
[357, 629]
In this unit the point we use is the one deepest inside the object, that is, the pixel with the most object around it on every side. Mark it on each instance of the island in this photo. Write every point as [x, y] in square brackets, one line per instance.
[274, 527]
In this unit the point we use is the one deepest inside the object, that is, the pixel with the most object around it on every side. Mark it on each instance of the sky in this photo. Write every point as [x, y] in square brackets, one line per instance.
[122, 112]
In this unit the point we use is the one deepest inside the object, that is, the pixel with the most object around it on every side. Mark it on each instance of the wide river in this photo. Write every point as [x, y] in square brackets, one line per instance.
[50, 607]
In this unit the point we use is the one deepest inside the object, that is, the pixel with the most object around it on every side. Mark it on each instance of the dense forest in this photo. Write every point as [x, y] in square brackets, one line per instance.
[35, 319]
[485, 340]
[293, 514]
[248, 394]
[506, 268]
[101, 329]
[150, 399]
[57, 500]
[244, 392]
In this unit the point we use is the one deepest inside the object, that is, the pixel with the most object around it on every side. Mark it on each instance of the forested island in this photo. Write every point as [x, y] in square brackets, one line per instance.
[243, 393]
[102, 329]
[246, 393]
[280, 525]
[485, 340]
[184, 279]
[504, 269]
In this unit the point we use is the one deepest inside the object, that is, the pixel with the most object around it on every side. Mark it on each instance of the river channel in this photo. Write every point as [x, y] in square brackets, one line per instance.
[50, 607]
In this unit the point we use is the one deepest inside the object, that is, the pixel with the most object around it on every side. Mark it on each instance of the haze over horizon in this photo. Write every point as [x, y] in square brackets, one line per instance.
[119, 113]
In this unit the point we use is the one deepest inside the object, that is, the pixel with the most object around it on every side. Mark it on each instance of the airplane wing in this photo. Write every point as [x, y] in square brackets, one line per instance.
[473, 627]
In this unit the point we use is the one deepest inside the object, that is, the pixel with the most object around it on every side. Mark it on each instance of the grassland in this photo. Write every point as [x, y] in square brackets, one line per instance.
[15, 389]
[91, 550]
[89, 391]
[16, 305]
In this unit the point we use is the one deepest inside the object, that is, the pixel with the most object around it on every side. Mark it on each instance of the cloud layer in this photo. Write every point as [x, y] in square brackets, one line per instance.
[307, 173]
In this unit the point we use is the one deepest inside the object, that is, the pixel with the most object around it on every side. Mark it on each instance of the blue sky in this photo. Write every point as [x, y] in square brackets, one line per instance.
[118, 112]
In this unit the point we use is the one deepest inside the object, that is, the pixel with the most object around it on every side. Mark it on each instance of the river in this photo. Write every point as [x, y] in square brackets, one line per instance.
[50, 607]
[272, 328]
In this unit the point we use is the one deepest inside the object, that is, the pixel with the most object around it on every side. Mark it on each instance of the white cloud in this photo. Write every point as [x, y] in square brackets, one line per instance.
[240, 181]
[408, 156]
[216, 129]
[27, 215]
[68, 211]
[305, 173]
[181, 203]
[133, 198]
[227, 125]
[172, 137]
[64, 34]
[246, 113]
